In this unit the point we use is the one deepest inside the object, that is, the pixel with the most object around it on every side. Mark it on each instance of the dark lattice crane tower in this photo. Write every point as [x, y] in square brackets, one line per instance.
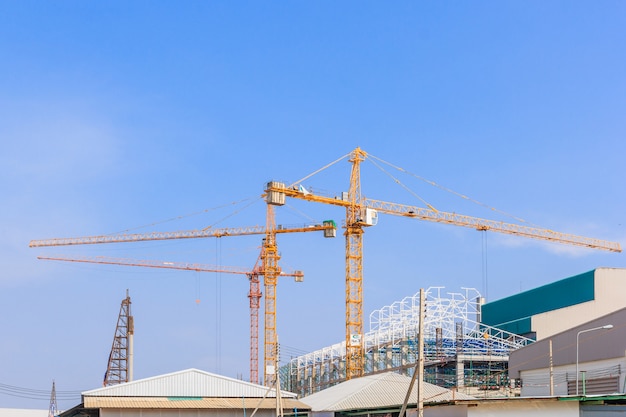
[120, 366]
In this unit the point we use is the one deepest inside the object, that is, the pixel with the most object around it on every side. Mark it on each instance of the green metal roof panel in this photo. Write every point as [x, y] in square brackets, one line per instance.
[564, 293]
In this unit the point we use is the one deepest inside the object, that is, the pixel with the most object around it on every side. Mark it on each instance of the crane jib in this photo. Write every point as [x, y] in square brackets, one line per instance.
[326, 226]
[420, 213]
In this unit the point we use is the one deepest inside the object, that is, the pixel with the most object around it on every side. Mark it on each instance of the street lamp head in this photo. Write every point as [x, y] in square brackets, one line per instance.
[606, 326]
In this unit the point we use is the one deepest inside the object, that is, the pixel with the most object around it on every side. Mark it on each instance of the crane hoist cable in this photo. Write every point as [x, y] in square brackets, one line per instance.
[218, 307]
[233, 213]
[197, 213]
[321, 169]
[397, 181]
[484, 265]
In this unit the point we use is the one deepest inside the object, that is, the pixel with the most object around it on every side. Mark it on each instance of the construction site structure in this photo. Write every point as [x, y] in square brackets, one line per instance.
[269, 256]
[120, 364]
[363, 212]
[459, 351]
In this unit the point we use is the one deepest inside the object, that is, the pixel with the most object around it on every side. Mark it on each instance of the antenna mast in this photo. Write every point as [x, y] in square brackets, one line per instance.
[54, 408]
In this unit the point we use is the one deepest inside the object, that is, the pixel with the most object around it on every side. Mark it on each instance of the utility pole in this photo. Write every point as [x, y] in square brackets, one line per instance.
[279, 398]
[419, 365]
[420, 360]
[551, 371]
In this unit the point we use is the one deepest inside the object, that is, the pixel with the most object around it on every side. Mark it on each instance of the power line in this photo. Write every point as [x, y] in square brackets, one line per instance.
[37, 394]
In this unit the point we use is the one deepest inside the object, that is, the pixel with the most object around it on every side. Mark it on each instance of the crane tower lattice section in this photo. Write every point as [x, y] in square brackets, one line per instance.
[120, 363]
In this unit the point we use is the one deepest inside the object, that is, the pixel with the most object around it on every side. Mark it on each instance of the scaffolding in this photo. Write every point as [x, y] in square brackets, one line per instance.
[459, 351]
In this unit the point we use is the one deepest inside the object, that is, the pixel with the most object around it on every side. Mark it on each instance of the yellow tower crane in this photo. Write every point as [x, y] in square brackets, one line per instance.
[363, 212]
[270, 267]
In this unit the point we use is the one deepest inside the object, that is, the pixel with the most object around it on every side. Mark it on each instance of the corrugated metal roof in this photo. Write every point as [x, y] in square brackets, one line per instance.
[376, 391]
[187, 383]
[190, 403]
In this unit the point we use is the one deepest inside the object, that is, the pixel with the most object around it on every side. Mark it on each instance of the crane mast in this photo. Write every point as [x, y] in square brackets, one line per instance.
[362, 212]
[271, 270]
[254, 295]
[120, 364]
[354, 272]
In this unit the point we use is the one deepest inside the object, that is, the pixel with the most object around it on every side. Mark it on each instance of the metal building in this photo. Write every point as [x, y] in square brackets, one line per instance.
[467, 343]
[588, 359]
[460, 351]
[189, 392]
[545, 311]
[376, 395]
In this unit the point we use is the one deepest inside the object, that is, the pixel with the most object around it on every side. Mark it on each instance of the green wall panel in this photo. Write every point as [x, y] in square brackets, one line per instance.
[521, 326]
[564, 293]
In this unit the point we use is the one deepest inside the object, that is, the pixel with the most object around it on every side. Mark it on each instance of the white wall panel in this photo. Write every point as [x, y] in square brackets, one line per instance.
[517, 408]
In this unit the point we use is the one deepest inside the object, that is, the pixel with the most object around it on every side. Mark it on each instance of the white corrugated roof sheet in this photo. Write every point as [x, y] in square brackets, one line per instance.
[376, 391]
[187, 383]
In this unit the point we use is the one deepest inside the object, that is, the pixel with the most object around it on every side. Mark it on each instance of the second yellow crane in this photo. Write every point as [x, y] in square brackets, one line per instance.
[270, 268]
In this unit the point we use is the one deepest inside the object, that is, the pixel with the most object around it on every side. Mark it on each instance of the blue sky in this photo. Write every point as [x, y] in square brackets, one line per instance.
[157, 116]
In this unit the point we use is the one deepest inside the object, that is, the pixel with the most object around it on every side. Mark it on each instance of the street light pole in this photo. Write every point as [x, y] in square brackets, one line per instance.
[608, 326]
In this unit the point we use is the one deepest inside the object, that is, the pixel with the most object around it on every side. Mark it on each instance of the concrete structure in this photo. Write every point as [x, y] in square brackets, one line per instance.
[601, 360]
[185, 393]
[545, 311]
